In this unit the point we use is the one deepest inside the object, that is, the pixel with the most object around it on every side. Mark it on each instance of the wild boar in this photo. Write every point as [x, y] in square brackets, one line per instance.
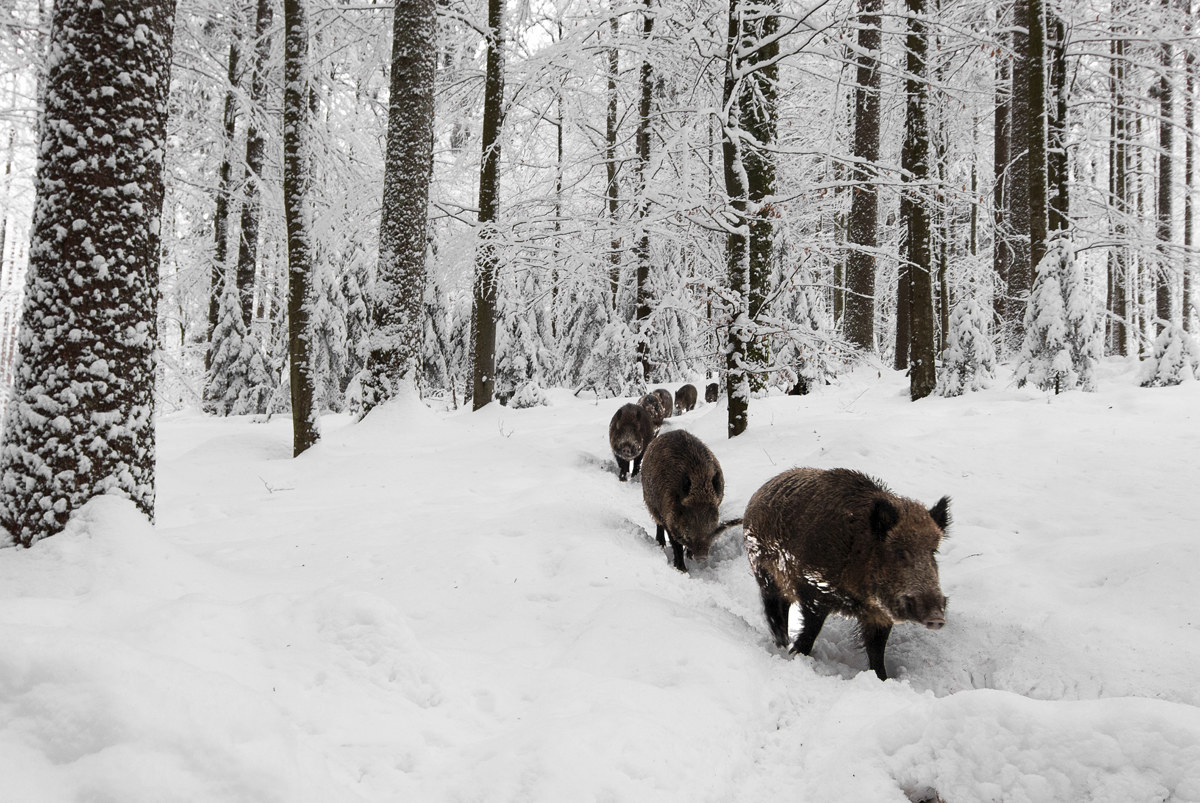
[628, 433]
[683, 488]
[711, 392]
[685, 399]
[668, 401]
[840, 542]
[654, 407]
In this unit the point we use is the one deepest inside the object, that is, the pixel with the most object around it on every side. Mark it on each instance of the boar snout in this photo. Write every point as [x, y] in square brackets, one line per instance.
[929, 611]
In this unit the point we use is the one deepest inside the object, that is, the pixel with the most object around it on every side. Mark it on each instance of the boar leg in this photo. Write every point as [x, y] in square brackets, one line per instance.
[814, 615]
[623, 465]
[776, 607]
[637, 465]
[875, 639]
[662, 541]
[677, 550]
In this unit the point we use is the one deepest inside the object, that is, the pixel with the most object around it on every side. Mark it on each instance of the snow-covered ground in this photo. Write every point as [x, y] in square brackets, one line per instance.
[435, 606]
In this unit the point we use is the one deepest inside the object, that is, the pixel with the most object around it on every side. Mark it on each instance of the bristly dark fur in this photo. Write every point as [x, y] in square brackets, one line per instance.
[840, 542]
[629, 432]
[685, 399]
[683, 487]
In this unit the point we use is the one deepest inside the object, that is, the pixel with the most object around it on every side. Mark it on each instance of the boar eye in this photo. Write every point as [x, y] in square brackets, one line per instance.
[687, 484]
[902, 555]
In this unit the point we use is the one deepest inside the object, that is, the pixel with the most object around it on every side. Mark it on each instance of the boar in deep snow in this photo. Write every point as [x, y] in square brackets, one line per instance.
[683, 487]
[838, 541]
[628, 433]
[685, 399]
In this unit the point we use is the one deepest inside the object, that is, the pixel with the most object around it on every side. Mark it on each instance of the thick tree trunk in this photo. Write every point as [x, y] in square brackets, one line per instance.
[483, 317]
[862, 232]
[1189, 187]
[915, 204]
[296, 207]
[397, 311]
[224, 179]
[247, 259]
[759, 111]
[1015, 294]
[81, 419]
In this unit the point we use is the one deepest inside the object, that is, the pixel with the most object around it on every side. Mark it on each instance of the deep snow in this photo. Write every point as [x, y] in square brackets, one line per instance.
[434, 606]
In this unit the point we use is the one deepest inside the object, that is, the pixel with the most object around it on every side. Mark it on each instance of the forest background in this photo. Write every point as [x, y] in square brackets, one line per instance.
[666, 191]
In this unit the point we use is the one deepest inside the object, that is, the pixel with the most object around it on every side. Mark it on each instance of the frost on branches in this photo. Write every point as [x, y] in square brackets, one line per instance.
[238, 381]
[970, 358]
[81, 419]
[524, 363]
[1176, 359]
[805, 352]
[612, 367]
[1060, 351]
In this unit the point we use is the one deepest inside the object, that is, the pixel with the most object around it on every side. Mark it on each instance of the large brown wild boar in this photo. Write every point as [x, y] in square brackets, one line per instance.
[683, 486]
[685, 399]
[668, 401]
[840, 542]
[653, 405]
[711, 392]
[628, 433]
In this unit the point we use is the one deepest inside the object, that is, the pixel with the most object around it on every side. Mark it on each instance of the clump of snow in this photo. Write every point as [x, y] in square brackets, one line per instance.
[468, 606]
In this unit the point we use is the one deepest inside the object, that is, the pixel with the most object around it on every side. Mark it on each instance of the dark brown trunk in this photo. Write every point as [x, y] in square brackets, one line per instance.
[255, 155]
[914, 207]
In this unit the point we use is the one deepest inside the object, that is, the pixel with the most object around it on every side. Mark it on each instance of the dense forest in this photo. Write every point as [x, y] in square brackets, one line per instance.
[487, 200]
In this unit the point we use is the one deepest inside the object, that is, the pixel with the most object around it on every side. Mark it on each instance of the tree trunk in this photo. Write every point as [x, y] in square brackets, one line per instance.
[296, 207]
[915, 204]
[1118, 266]
[862, 233]
[1057, 167]
[255, 154]
[1166, 160]
[759, 89]
[612, 185]
[1015, 293]
[642, 291]
[737, 248]
[224, 179]
[81, 419]
[1189, 187]
[1002, 162]
[483, 318]
[1036, 133]
[397, 319]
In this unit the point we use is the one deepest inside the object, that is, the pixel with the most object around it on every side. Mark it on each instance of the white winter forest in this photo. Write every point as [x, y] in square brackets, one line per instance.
[332, 466]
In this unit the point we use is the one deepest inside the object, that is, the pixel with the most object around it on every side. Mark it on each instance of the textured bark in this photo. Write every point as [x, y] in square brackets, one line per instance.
[397, 311]
[297, 211]
[759, 111]
[81, 419]
[483, 315]
[1118, 265]
[737, 248]
[1057, 169]
[642, 247]
[862, 232]
[247, 259]
[1189, 209]
[612, 185]
[1166, 161]
[1035, 89]
[915, 204]
[1014, 294]
[1001, 158]
[224, 179]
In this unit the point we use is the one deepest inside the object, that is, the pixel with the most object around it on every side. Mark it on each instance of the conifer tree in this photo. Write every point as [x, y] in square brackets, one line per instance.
[970, 357]
[1059, 351]
[1176, 359]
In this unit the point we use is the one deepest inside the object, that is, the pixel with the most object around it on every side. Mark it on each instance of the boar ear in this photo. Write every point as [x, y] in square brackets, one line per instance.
[941, 513]
[883, 518]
